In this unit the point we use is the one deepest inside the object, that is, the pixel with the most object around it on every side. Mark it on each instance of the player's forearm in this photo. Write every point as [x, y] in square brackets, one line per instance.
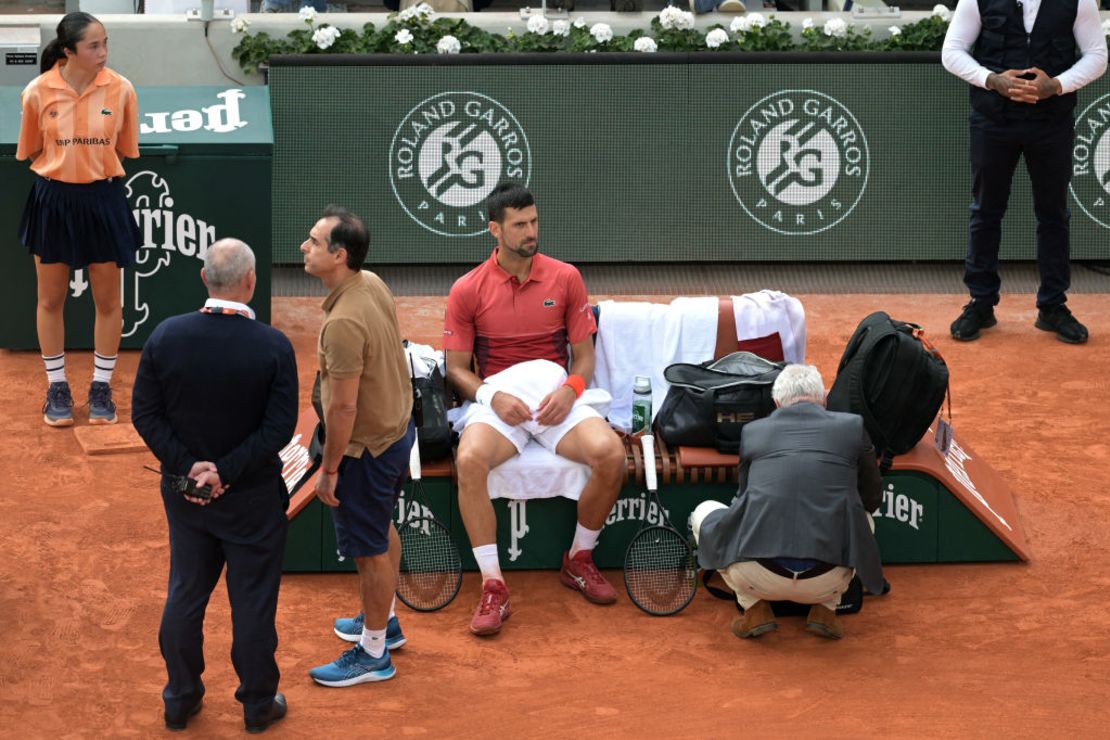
[339, 424]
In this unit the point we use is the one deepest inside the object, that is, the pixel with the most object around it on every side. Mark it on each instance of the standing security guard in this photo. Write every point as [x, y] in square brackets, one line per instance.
[1020, 59]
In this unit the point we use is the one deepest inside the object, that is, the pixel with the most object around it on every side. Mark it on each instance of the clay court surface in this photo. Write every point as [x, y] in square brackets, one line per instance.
[990, 650]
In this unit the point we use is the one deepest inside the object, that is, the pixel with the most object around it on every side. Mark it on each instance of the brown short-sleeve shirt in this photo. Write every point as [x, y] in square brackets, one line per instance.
[361, 338]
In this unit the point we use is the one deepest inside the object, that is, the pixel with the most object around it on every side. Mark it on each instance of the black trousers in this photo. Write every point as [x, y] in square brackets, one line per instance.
[995, 148]
[244, 529]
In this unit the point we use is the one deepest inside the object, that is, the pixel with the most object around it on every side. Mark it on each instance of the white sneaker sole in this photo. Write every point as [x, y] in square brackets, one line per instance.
[370, 677]
[98, 420]
[57, 422]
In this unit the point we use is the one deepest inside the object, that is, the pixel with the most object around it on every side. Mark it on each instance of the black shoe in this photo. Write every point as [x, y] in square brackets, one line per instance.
[177, 722]
[976, 316]
[1059, 319]
[277, 711]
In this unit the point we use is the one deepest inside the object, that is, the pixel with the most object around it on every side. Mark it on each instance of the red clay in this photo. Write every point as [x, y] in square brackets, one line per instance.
[956, 650]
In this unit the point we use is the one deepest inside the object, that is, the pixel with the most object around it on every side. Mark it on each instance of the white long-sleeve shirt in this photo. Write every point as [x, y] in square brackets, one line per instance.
[964, 30]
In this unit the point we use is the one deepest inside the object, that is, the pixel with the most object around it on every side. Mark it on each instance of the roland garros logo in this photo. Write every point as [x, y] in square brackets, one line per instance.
[798, 162]
[449, 153]
[1090, 183]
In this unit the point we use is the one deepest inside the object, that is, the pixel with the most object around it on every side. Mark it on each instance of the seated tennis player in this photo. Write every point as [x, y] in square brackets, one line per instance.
[512, 319]
[799, 527]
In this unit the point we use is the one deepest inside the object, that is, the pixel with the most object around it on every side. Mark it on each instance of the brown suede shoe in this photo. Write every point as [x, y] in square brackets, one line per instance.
[757, 619]
[824, 622]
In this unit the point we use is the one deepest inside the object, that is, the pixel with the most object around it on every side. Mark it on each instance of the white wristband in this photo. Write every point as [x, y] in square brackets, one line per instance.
[484, 394]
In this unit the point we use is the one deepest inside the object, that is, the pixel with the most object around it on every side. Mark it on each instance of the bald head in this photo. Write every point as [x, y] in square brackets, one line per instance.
[229, 270]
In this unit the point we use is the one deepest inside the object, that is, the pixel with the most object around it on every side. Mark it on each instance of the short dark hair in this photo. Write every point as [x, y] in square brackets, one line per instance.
[71, 29]
[350, 234]
[507, 195]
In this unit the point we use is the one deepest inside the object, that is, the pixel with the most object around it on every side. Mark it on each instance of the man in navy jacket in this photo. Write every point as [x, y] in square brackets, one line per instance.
[215, 399]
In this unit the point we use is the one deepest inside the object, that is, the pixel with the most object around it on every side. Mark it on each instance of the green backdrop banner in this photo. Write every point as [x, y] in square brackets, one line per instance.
[741, 158]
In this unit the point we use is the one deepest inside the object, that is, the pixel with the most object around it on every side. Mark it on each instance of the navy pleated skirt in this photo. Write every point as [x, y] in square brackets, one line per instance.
[81, 224]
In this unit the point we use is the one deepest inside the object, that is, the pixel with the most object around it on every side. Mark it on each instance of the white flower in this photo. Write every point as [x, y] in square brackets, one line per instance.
[423, 10]
[403, 37]
[449, 45]
[895, 31]
[325, 36]
[716, 38]
[943, 12]
[645, 44]
[1106, 27]
[836, 27]
[579, 22]
[307, 14]
[601, 32]
[807, 24]
[538, 25]
[672, 17]
[561, 28]
[756, 20]
[239, 24]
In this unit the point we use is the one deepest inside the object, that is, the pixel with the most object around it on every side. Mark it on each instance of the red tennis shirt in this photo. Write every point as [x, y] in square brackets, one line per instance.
[503, 321]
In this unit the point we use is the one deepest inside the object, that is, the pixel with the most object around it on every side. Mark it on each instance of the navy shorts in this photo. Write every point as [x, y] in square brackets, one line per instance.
[367, 490]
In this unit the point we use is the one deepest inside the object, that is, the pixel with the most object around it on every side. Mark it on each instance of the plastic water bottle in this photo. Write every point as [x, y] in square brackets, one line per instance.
[641, 405]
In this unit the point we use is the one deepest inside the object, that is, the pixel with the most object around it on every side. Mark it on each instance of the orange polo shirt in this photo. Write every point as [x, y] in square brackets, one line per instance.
[503, 321]
[78, 138]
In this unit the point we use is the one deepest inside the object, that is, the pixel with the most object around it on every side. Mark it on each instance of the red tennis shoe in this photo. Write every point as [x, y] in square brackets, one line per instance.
[492, 610]
[581, 574]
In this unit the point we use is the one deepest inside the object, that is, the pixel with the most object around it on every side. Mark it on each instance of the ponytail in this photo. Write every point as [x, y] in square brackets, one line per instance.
[50, 56]
[71, 29]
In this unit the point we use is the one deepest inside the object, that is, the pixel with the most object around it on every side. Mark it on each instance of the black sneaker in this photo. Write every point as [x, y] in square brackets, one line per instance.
[58, 409]
[101, 408]
[976, 316]
[1059, 319]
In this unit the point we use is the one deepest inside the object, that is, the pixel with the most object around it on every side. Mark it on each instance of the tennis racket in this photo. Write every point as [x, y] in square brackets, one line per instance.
[431, 570]
[659, 570]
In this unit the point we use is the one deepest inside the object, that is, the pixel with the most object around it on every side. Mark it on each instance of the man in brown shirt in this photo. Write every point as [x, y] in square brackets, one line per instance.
[367, 402]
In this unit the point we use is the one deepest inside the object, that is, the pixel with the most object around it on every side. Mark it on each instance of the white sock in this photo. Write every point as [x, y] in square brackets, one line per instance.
[584, 539]
[55, 368]
[393, 608]
[373, 642]
[488, 563]
[103, 367]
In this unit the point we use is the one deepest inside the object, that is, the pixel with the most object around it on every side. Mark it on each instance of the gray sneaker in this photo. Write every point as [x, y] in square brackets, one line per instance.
[58, 409]
[101, 408]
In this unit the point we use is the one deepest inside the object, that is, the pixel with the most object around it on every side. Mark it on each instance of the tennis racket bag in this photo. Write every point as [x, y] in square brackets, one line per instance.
[892, 377]
[430, 414]
[708, 404]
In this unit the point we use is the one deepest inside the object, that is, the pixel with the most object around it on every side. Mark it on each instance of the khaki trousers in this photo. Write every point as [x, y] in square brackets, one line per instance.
[752, 582]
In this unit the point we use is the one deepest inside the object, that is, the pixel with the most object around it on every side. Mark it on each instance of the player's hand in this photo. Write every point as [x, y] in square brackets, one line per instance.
[1041, 84]
[1009, 84]
[325, 488]
[510, 409]
[555, 406]
[205, 474]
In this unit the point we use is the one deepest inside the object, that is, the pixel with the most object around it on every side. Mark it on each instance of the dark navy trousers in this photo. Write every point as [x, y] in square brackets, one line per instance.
[995, 148]
[245, 530]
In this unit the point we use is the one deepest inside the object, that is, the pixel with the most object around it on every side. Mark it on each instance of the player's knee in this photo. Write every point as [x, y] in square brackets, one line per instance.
[607, 458]
[470, 465]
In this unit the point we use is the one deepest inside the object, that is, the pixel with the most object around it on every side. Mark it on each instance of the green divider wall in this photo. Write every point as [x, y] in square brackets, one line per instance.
[655, 157]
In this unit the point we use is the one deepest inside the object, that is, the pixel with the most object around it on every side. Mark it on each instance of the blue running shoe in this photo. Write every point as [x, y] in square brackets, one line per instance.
[354, 667]
[350, 629]
[101, 408]
[58, 409]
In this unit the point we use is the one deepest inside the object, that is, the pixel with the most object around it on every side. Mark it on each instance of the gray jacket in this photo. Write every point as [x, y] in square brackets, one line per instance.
[808, 477]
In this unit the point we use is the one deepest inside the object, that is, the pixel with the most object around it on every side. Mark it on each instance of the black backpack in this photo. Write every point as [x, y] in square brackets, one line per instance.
[892, 377]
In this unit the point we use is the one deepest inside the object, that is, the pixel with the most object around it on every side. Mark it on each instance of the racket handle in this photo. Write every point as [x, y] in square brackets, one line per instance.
[648, 442]
[414, 458]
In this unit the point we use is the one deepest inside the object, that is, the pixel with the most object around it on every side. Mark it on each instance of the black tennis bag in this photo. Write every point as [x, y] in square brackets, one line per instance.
[892, 377]
[708, 404]
[430, 414]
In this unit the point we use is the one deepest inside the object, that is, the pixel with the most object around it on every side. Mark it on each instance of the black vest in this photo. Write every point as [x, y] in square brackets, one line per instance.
[1003, 44]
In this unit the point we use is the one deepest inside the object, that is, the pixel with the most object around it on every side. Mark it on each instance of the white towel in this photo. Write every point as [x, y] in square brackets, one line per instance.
[422, 358]
[767, 312]
[537, 473]
[635, 338]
